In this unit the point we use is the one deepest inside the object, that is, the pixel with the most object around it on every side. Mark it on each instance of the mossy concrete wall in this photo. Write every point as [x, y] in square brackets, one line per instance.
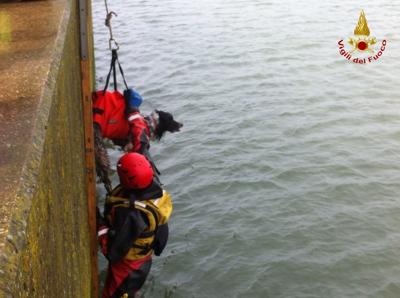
[44, 234]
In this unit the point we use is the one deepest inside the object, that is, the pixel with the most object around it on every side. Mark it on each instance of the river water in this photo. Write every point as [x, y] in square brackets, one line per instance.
[285, 177]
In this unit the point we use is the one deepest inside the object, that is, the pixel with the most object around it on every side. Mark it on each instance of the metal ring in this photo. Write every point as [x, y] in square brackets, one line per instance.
[116, 46]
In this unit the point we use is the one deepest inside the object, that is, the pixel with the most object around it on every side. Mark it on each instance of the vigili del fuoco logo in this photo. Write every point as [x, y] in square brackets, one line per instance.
[364, 48]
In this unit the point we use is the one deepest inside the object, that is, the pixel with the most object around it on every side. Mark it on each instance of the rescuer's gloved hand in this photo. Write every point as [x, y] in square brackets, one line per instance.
[102, 236]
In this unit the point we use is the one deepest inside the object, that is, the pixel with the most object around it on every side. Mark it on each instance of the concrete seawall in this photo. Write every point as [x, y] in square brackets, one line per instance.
[44, 233]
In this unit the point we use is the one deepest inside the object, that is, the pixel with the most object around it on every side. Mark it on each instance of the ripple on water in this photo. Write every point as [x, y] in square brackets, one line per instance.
[285, 175]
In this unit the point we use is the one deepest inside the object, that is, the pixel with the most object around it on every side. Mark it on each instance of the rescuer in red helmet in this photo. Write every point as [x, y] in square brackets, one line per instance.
[135, 226]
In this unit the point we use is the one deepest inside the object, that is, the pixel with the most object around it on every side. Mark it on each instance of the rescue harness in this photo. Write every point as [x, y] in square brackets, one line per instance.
[157, 212]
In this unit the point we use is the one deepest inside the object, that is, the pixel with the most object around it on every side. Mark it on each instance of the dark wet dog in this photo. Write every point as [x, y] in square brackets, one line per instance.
[166, 123]
[154, 128]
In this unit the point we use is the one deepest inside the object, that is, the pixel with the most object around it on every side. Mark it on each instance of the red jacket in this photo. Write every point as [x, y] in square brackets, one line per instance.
[139, 133]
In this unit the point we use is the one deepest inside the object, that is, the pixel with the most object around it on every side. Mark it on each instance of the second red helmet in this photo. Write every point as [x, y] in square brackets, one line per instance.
[134, 171]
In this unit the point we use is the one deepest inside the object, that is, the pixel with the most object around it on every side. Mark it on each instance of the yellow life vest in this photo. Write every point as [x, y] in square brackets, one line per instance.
[157, 212]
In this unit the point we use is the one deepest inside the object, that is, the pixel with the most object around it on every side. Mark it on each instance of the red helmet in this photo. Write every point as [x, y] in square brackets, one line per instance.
[134, 171]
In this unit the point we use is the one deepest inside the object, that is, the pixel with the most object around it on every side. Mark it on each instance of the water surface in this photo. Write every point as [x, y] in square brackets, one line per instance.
[285, 178]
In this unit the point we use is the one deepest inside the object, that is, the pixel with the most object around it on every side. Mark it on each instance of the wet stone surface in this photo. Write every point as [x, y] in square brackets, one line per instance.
[27, 34]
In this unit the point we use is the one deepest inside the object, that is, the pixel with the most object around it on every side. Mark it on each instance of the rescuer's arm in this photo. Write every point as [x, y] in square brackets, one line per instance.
[161, 239]
[129, 224]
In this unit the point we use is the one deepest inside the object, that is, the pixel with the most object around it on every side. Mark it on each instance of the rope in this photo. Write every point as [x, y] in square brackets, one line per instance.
[114, 47]
[112, 43]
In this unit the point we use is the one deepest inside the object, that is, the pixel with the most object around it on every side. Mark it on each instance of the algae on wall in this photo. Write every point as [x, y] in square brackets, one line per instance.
[49, 255]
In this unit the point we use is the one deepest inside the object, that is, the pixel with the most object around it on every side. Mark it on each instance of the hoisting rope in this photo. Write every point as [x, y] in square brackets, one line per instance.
[108, 24]
[114, 47]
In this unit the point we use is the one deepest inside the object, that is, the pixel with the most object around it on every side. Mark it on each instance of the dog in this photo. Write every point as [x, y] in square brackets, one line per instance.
[142, 130]
[165, 123]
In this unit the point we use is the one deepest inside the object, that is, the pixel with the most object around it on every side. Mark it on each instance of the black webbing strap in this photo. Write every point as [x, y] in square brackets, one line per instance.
[114, 72]
[143, 249]
[122, 73]
[114, 58]
[112, 69]
[146, 234]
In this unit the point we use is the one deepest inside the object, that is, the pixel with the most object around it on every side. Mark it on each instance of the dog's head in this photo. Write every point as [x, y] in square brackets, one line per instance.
[165, 122]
